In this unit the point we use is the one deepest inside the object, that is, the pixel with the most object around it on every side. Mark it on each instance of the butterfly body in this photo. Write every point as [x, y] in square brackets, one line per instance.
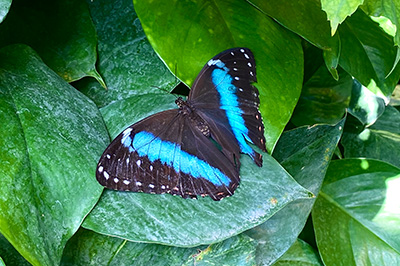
[175, 151]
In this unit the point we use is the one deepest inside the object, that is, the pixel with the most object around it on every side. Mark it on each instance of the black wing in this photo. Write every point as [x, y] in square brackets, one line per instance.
[224, 97]
[165, 153]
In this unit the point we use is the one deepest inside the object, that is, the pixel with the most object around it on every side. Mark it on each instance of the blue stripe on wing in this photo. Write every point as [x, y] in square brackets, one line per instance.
[229, 102]
[146, 144]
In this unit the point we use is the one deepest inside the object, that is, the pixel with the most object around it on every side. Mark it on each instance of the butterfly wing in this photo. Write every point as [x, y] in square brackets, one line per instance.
[224, 97]
[165, 153]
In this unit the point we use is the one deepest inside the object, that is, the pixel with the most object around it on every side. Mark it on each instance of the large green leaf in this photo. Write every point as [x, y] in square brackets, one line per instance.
[380, 141]
[51, 137]
[187, 34]
[323, 99]
[60, 31]
[386, 8]
[127, 61]
[338, 10]
[305, 153]
[368, 54]
[154, 218]
[90, 248]
[356, 215]
[300, 253]
[4, 7]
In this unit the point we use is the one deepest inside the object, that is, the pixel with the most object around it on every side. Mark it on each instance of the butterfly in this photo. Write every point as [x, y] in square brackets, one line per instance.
[195, 149]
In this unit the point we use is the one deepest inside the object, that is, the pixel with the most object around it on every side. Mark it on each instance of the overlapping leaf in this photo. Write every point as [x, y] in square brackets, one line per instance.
[368, 54]
[300, 253]
[386, 8]
[379, 141]
[305, 18]
[4, 7]
[323, 99]
[127, 61]
[305, 153]
[364, 105]
[60, 31]
[10, 255]
[356, 215]
[338, 10]
[51, 138]
[88, 247]
[186, 35]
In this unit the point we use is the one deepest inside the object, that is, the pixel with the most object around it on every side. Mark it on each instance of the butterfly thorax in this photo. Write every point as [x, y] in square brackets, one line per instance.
[186, 109]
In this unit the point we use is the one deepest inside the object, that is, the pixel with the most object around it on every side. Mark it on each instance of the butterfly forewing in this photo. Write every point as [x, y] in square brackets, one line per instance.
[224, 96]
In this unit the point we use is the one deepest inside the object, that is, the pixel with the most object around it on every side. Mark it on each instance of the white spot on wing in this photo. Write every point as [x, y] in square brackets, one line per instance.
[213, 62]
[100, 169]
[242, 50]
[249, 64]
[127, 160]
[247, 57]
[151, 168]
[106, 175]
[237, 78]
[138, 163]
[116, 180]
[138, 183]
[127, 131]
[126, 182]
[108, 156]
[151, 186]
[232, 53]
[162, 187]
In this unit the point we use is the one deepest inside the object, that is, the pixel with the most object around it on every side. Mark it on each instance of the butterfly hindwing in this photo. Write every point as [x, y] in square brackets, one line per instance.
[166, 153]
[224, 96]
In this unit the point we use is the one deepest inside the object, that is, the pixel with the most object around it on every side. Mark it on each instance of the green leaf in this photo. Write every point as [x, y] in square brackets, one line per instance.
[300, 253]
[368, 54]
[364, 105]
[386, 8]
[305, 18]
[338, 10]
[90, 248]
[380, 141]
[154, 218]
[237, 250]
[356, 215]
[10, 255]
[2, 262]
[305, 153]
[60, 31]
[395, 99]
[186, 35]
[127, 61]
[49, 147]
[323, 99]
[4, 8]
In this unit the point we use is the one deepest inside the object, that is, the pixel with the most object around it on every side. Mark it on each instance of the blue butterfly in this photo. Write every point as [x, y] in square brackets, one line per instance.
[175, 151]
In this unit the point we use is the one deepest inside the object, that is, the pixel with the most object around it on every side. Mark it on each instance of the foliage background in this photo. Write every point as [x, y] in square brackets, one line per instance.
[74, 74]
